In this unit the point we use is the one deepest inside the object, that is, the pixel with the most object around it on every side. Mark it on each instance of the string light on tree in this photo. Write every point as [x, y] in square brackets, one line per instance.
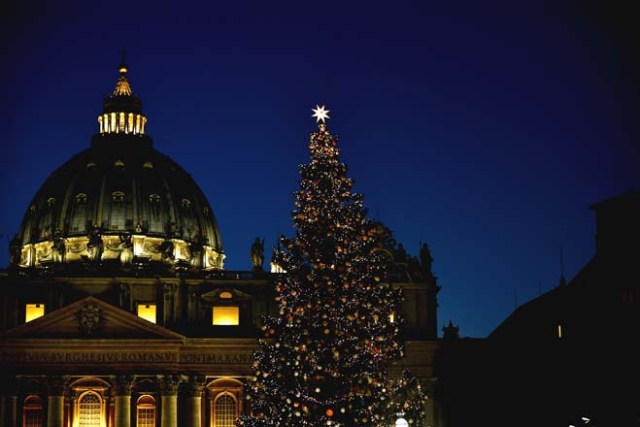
[325, 356]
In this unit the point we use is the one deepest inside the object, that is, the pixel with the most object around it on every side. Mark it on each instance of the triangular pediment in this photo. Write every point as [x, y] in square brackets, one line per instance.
[93, 319]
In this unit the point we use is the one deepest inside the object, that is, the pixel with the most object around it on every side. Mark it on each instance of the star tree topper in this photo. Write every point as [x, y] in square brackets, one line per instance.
[320, 114]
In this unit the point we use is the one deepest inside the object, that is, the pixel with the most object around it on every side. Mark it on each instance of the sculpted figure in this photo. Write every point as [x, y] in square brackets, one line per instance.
[257, 253]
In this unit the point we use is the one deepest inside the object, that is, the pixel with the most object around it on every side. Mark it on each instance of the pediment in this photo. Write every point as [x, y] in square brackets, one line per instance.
[91, 318]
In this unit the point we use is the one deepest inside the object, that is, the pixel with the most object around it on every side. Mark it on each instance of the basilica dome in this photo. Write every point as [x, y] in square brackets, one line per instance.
[119, 203]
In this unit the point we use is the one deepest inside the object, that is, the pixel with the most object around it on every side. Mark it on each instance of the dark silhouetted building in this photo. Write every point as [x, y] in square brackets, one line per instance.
[568, 357]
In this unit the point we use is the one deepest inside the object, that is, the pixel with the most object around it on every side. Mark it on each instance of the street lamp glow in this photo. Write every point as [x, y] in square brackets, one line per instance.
[401, 422]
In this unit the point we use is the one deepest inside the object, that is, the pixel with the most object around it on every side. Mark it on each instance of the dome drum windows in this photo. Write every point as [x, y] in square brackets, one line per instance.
[119, 215]
[79, 216]
[153, 214]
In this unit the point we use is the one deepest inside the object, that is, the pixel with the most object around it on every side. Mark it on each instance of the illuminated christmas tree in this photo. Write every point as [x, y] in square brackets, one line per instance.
[325, 356]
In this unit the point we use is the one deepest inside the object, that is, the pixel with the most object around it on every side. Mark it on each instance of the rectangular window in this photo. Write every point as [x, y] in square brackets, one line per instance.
[33, 311]
[147, 312]
[559, 330]
[226, 315]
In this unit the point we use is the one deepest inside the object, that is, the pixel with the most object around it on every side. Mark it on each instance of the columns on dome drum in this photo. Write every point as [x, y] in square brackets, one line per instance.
[122, 394]
[194, 401]
[55, 401]
[169, 385]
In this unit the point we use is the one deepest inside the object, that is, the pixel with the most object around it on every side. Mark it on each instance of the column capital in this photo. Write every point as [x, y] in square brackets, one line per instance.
[122, 385]
[169, 384]
[57, 384]
[195, 385]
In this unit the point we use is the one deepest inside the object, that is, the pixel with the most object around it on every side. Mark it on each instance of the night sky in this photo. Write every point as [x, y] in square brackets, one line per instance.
[484, 129]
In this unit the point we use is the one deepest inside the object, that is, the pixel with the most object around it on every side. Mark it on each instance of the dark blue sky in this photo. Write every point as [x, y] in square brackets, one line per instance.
[482, 128]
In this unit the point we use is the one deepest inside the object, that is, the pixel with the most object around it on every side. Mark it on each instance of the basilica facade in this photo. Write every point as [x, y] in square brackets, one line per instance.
[116, 307]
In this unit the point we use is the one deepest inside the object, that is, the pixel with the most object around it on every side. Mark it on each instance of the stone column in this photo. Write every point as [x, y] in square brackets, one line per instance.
[169, 388]
[8, 401]
[9, 417]
[122, 397]
[55, 402]
[194, 401]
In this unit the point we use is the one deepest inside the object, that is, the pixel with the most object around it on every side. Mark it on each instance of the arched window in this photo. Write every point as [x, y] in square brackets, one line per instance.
[146, 411]
[89, 410]
[32, 415]
[225, 411]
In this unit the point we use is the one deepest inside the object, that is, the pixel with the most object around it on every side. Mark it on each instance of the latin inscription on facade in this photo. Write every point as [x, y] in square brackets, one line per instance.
[124, 357]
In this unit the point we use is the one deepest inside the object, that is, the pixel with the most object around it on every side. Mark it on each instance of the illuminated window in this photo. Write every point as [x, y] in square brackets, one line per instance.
[121, 123]
[154, 198]
[147, 165]
[90, 409]
[33, 311]
[225, 411]
[226, 315]
[32, 414]
[225, 295]
[147, 312]
[559, 330]
[118, 164]
[146, 411]
[392, 317]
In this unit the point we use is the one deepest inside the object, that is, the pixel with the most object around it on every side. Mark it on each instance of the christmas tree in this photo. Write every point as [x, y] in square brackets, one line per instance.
[325, 356]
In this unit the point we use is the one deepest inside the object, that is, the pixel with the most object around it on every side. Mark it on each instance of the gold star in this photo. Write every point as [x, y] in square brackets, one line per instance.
[320, 113]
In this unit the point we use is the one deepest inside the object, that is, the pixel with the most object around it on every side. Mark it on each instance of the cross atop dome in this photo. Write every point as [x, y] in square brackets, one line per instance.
[122, 86]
